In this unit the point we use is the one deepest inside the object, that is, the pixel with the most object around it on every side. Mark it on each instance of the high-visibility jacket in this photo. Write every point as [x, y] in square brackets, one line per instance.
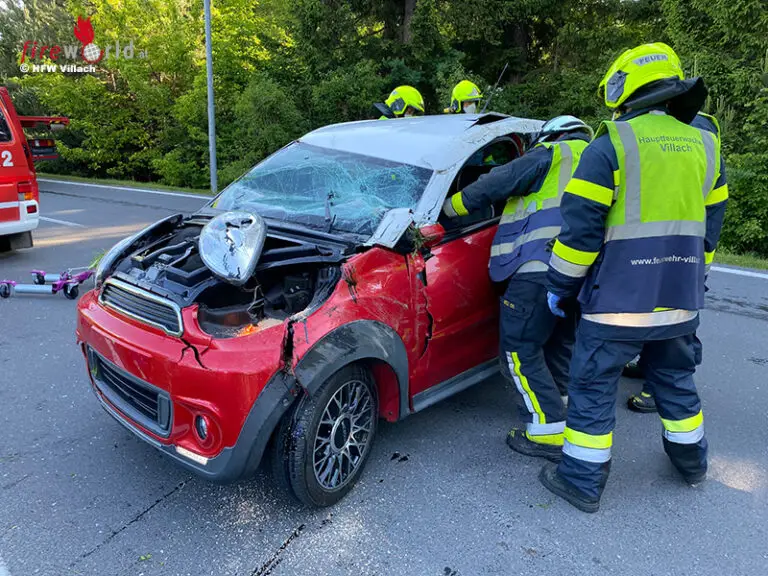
[717, 201]
[531, 218]
[530, 223]
[635, 234]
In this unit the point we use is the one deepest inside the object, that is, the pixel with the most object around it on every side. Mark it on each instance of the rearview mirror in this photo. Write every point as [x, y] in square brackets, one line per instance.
[432, 235]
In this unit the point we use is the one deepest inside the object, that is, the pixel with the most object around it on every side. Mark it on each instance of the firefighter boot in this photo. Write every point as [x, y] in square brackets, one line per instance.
[642, 402]
[553, 482]
[518, 440]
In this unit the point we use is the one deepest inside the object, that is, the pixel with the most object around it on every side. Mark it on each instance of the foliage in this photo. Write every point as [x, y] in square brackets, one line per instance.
[283, 68]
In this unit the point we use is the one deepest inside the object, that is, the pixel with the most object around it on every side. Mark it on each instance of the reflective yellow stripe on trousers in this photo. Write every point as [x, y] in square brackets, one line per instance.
[685, 431]
[539, 430]
[521, 382]
[595, 448]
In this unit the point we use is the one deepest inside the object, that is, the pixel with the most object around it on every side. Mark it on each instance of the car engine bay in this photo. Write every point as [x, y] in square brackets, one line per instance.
[294, 271]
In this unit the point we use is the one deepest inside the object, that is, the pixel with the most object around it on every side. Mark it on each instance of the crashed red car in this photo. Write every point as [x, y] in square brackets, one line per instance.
[362, 301]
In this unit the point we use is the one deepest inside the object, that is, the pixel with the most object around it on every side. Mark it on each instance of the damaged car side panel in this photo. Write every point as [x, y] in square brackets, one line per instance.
[376, 312]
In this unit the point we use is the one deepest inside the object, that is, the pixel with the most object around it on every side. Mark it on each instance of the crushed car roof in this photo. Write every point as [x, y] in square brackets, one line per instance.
[435, 142]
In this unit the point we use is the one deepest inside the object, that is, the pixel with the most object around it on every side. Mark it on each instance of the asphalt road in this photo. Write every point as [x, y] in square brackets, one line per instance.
[80, 495]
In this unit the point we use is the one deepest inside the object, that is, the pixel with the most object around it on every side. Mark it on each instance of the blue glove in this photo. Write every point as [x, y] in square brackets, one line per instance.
[553, 301]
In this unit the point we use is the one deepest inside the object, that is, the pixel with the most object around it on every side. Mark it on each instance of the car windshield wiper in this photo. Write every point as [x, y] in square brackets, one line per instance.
[329, 217]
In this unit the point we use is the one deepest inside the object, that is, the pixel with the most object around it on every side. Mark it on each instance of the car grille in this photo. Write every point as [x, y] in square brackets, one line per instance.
[142, 306]
[140, 401]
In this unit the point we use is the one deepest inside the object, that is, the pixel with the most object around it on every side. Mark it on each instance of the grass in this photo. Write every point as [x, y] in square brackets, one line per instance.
[126, 183]
[743, 260]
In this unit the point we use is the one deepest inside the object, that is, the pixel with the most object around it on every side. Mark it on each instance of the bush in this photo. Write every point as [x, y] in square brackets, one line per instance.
[746, 221]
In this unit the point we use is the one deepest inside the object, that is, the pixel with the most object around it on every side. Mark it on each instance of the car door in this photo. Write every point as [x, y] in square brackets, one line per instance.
[462, 302]
[462, 305]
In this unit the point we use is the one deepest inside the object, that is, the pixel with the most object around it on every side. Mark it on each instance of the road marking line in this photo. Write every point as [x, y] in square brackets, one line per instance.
[3, 570]
[65, 223]
[143, 190]
[740, 272]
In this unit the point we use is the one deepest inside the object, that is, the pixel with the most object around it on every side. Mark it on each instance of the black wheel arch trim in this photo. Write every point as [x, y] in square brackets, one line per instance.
[352, 342]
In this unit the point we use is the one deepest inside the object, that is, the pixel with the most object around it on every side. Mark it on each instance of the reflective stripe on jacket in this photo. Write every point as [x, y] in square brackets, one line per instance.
[530, 223]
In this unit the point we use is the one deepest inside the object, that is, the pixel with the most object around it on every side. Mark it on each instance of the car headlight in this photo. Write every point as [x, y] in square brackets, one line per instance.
[110, 257]
[231, 244]
[107, 261]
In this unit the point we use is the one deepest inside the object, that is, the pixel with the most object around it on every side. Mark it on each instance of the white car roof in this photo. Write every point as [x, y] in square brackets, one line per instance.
[435, 142]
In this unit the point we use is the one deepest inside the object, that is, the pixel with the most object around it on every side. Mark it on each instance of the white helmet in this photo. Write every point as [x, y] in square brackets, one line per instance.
[559, 125]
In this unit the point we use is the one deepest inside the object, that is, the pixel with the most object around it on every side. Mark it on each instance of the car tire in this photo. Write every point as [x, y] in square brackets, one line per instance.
[323, 443]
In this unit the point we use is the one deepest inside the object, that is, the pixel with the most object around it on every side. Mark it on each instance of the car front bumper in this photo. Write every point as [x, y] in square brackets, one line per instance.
[235, 384]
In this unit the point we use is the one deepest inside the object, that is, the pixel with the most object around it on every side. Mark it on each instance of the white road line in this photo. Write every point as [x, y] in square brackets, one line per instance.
[740, 272]
[3, 570]
[130, 189]
[65, 223]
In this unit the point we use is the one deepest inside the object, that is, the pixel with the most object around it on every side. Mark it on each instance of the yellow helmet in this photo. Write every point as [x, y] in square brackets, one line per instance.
[465, 91]
[404, 97]
[636, 68]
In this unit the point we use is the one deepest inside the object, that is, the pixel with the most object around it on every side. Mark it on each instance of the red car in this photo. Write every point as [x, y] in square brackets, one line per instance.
[358, 301]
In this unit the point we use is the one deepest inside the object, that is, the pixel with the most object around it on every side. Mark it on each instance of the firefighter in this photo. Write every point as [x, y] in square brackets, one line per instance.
[644, 402]
[465, 98]
[535, 346]
[403, 101]
[633, 247]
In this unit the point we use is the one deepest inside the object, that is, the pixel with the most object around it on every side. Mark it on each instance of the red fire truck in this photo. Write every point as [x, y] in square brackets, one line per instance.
[19, 196]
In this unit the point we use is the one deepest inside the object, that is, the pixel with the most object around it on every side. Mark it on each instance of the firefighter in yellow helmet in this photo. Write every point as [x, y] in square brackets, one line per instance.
[403, 101]
[638, 230]
[465, 99]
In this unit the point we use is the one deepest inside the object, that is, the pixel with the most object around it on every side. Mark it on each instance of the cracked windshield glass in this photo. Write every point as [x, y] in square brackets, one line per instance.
[326, 189]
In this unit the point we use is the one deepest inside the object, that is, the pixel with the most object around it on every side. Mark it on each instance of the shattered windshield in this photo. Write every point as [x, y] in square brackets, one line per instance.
[326, 189]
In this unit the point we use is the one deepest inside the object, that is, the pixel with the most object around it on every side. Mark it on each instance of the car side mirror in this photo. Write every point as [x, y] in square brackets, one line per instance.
[432, 235]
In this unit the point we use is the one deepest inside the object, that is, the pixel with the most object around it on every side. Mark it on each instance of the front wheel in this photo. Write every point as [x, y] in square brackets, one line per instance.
[323, 445]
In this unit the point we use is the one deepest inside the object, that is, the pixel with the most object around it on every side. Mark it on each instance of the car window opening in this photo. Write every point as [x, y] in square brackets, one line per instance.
[497, 153]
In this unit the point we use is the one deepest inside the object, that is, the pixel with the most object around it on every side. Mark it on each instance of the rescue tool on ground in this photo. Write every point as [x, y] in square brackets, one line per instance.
[67, 282]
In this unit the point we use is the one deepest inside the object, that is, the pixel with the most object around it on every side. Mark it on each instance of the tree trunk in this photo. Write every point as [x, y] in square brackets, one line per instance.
[405, 27]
